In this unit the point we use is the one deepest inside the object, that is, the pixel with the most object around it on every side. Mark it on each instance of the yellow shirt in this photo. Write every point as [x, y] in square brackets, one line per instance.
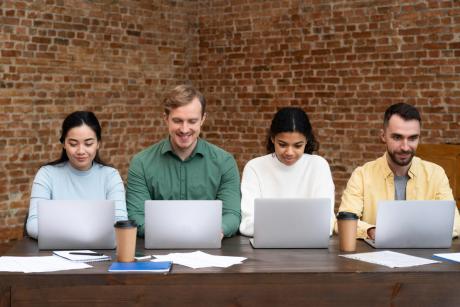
[374, 181]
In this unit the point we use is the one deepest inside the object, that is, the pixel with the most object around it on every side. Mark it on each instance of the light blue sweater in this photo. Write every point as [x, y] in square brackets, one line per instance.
[64, 182]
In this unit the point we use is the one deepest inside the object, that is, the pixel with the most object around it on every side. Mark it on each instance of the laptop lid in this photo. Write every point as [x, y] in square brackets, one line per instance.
[80, 224]
[291, 223]
[414, 224]
[183, 224]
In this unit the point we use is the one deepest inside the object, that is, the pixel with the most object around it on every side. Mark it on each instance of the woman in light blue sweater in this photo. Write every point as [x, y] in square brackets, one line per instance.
[79, 174]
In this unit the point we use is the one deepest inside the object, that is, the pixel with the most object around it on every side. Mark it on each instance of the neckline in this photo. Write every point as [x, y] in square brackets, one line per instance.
[284, 166]
[79, 172]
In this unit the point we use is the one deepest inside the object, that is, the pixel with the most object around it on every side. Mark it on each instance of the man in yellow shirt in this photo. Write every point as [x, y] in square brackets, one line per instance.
[397, 175]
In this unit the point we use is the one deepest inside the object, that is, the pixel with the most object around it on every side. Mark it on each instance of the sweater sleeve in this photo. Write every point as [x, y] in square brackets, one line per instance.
[41, 190]
[116, 191]
[250, 190]
[324, 186]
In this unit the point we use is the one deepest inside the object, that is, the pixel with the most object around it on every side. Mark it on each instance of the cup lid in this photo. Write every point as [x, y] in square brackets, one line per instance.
[125, 224]
[343, 215]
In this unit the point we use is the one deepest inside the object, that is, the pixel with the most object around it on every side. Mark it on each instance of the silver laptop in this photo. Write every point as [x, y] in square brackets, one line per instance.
[291, 223]
[183, 224]
[414, 224]
[81, 224]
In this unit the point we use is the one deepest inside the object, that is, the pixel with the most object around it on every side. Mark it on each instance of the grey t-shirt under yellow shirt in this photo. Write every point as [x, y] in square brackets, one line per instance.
[400, 187]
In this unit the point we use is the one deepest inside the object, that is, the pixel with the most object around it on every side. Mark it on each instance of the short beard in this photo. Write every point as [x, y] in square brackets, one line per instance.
[395, 161]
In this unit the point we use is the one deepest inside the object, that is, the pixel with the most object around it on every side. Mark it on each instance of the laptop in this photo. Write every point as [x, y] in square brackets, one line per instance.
[291, 223]
[414, 224]
[183, 224]
[80, 224]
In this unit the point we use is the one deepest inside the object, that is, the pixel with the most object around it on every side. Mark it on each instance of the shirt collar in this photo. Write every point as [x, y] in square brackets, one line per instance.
[413, 167]
[199, 148]
[387, 172]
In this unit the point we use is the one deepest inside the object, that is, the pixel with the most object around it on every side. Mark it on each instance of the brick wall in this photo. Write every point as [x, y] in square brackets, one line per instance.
[344, 62]
[57, 56]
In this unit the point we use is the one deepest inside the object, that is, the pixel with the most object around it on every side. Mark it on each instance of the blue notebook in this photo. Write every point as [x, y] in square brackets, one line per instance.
[145, 266]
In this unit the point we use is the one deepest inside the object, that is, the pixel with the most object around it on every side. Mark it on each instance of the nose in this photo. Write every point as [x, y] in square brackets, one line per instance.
[184, 127]
[80, 149]
[289, 150]
[405, 145]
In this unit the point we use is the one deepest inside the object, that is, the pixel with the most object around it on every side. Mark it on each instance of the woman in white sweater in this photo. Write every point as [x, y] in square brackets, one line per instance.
[290, 170]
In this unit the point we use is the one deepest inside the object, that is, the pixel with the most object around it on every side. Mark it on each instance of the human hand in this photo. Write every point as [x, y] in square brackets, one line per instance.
[371, 233]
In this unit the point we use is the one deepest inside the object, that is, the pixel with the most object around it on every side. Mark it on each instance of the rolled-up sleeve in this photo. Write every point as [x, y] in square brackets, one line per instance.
[229, 193]
[137, 193]
[353, 201]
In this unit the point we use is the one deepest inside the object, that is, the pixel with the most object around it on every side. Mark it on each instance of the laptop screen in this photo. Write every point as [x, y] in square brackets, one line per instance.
[80, 224]
[183, 224]
[414, 224]
[292, 223]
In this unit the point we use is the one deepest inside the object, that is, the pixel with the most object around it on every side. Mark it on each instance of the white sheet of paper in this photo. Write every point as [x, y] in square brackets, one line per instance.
[449, 256]
[390, 259]
[9, 264]
[38, 264]
[198, 259]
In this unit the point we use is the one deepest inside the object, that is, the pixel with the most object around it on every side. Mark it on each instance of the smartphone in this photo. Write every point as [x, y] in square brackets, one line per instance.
[141, 256]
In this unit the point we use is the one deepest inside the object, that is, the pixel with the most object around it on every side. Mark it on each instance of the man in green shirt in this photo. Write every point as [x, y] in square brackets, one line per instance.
[183, 166]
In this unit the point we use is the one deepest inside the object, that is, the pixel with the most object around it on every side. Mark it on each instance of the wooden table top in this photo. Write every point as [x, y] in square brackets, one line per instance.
[267, 260]
[274, 277]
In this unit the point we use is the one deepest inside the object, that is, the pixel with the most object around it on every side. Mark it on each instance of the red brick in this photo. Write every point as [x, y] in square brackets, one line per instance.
[10, 53]
[9, 21]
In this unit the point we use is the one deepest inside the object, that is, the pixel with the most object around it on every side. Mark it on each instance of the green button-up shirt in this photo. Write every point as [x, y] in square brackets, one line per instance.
[209, 173]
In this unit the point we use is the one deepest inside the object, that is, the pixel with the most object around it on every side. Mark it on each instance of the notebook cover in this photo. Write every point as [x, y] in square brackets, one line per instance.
[145, 266]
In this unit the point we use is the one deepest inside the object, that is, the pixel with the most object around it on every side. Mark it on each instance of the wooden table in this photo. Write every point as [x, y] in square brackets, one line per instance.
[269, 277]
[4, 247]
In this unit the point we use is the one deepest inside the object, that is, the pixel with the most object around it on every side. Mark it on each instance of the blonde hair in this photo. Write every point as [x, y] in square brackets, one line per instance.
[182, 95]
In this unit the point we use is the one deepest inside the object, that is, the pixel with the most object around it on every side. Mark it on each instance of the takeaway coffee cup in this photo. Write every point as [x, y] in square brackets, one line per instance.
[347, 223]
[125, 233]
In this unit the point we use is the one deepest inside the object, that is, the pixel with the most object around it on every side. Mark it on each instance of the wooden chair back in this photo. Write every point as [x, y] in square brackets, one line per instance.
[447, 156]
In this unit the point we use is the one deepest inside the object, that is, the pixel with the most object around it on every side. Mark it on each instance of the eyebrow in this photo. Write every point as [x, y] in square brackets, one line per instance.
[85, 140]
[410, 136]
[186, 119]
[297, 143]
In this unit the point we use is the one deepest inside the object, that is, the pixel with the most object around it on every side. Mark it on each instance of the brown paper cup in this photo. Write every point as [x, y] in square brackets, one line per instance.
[125, 232]
[347, 224]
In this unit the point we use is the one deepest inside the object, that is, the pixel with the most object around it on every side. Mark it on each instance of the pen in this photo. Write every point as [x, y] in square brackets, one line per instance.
[86, 254]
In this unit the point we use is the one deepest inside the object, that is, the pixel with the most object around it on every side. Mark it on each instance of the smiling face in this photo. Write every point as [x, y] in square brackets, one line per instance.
[401, 138]
[289, 146]
[81, 146]
[184, 125]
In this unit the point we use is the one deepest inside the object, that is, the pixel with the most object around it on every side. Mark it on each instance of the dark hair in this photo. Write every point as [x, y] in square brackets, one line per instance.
[292, 119]
[182, 95]
[404, 110]
[77, 119]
